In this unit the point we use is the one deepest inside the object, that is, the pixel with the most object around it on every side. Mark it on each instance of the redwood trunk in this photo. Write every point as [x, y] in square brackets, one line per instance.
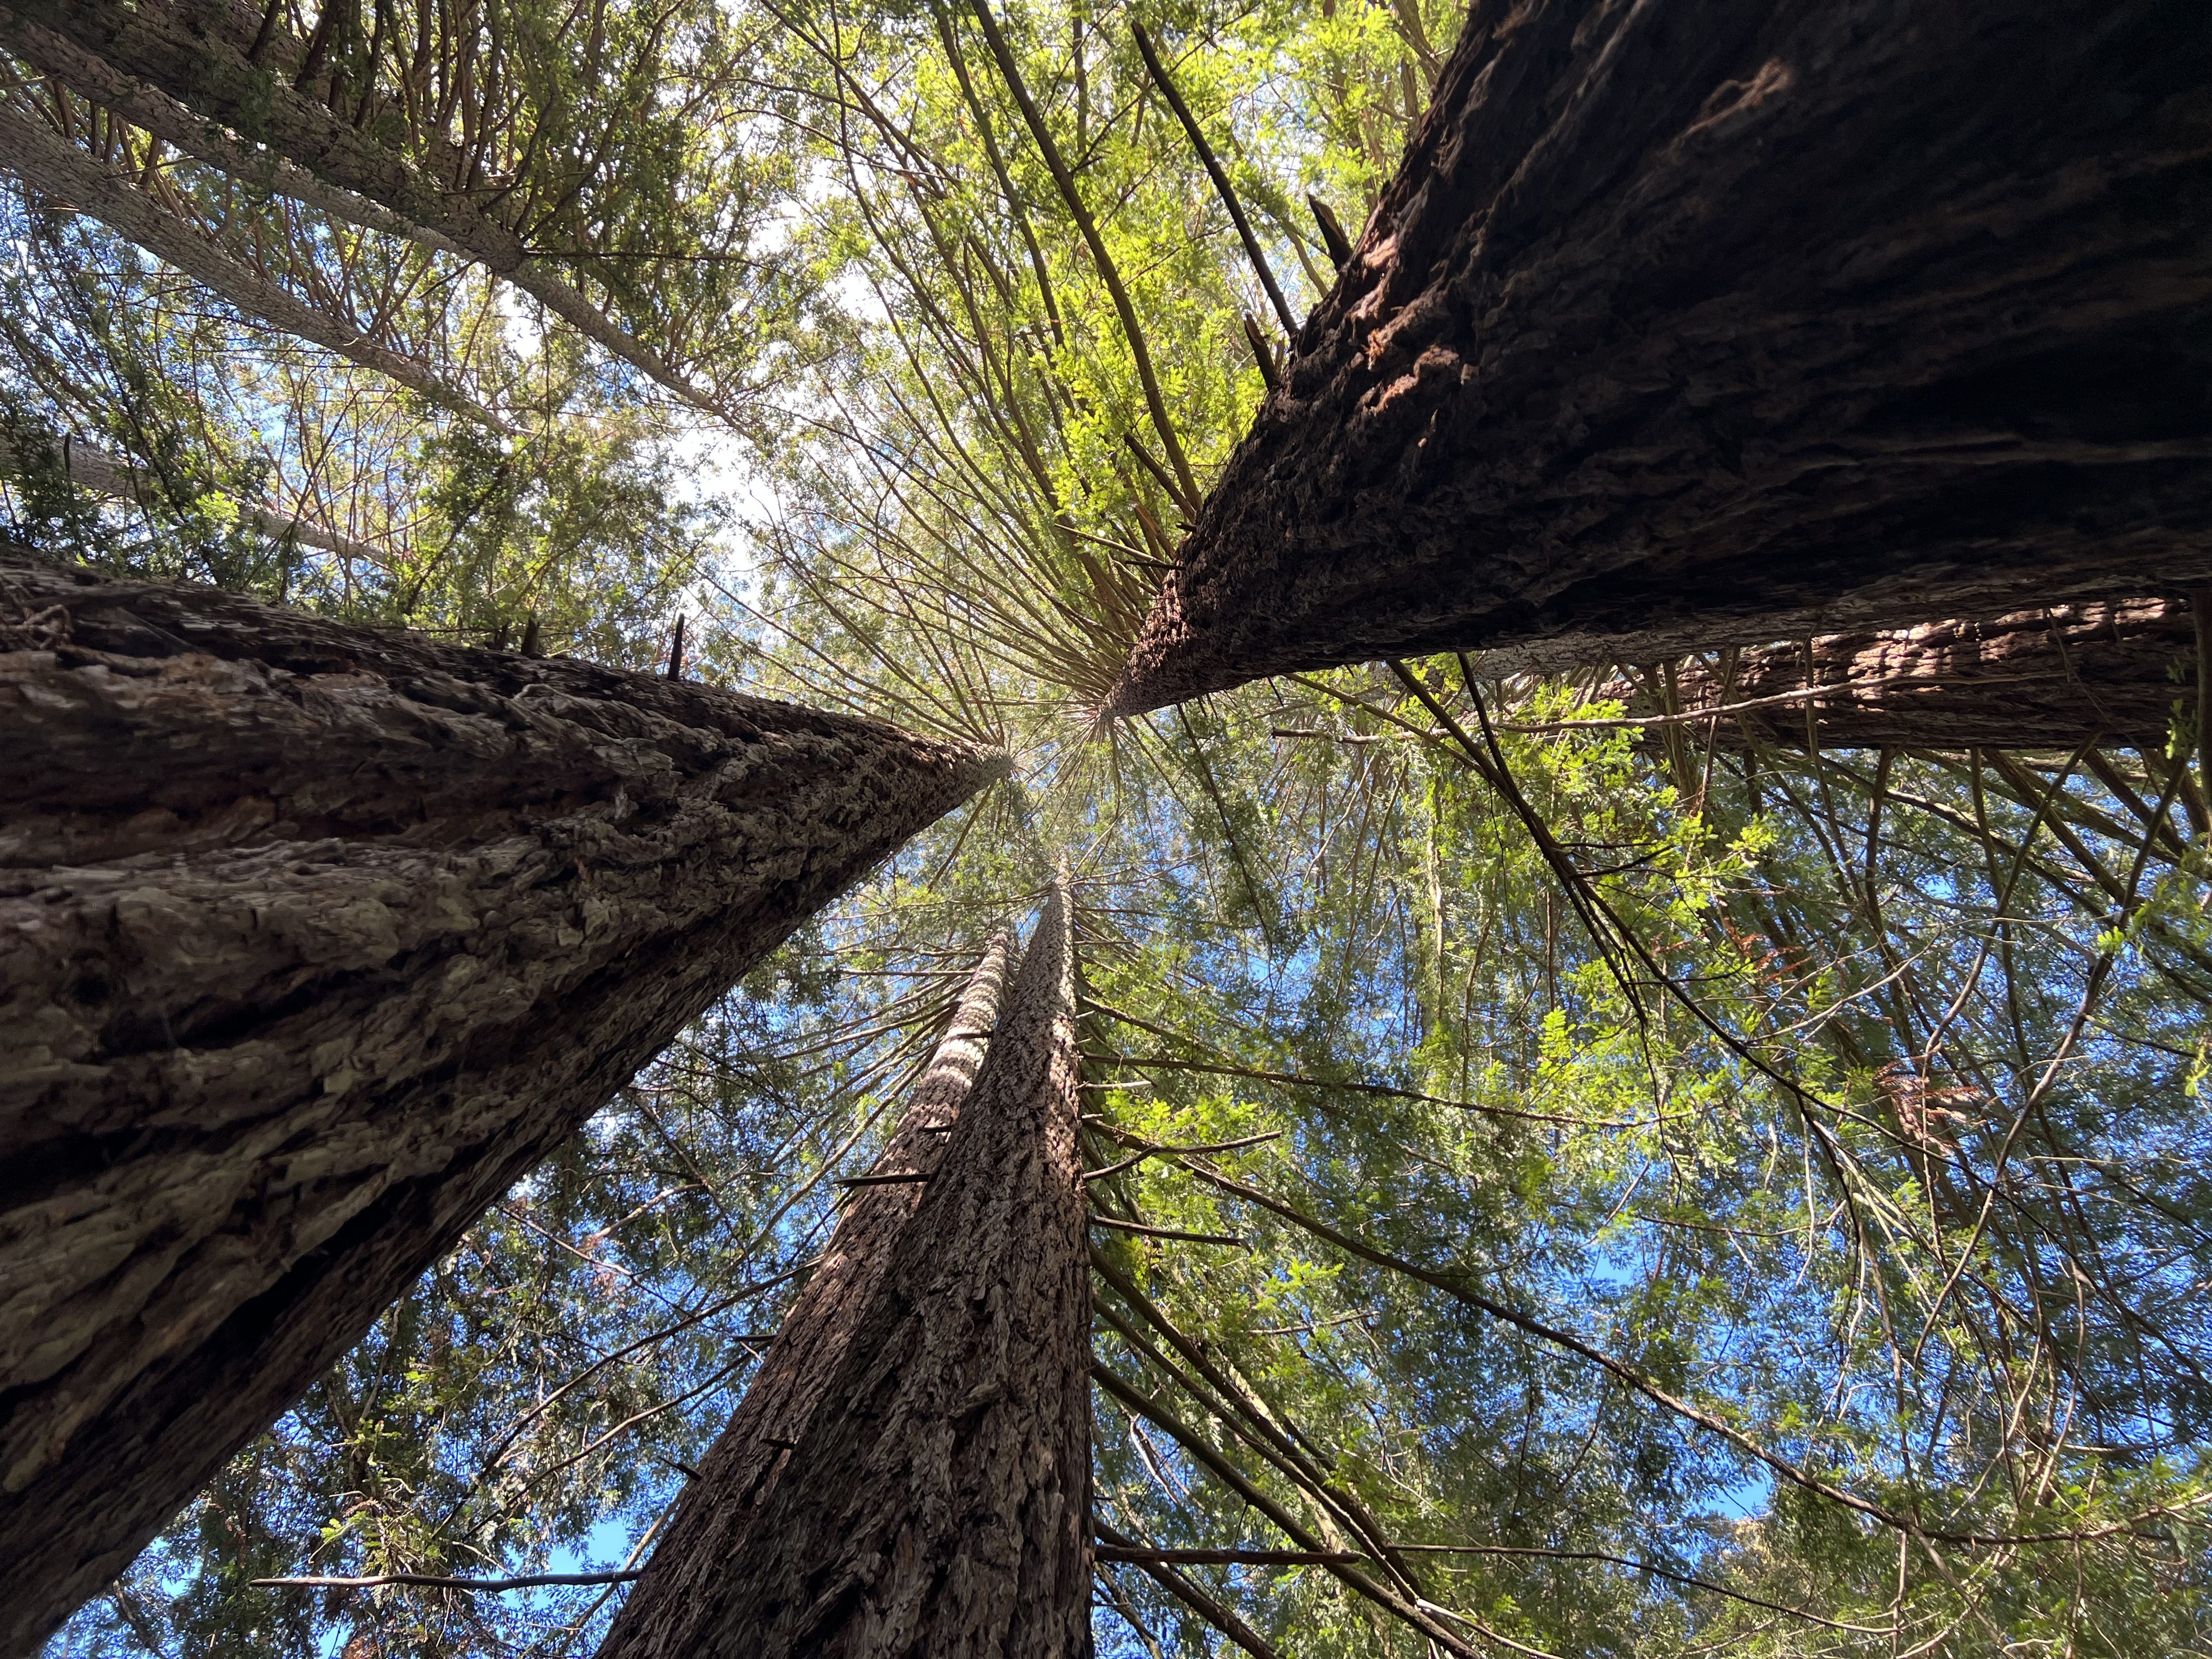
[669, 1609]
[313, 940]
[1698, 323]
[2053, 679]
[936, 1504]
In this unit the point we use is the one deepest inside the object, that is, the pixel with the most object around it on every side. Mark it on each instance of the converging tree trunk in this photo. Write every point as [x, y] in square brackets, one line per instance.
[936, 1503]
[313, 940]
[195, 75]
[2053, 679]
[1699, 323]
[669, 1609]
[50, 164]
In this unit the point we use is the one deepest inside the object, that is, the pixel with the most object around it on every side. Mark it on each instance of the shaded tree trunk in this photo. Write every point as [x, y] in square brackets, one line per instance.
[2053, 679]
[1698, 323]
[937, 1501]
[668, 1608]
[313, 940]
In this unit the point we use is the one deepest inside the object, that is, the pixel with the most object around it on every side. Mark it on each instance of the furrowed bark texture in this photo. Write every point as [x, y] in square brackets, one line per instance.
[313, 940]
[937, 1503]
[664, 1617]
[1698, 323]
[2052, 678]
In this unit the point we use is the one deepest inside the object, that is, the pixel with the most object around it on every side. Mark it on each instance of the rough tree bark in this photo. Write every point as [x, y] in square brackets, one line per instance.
[2052, 678]
[313, 940]
[1698, 323]
[669, 1607]
[936, 1503]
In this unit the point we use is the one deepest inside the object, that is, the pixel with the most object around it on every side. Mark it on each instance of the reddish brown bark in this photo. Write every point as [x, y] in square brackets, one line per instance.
[937, 1502]
[669, 1607]
[1696, 323]
[2051, 679]
[313, 940]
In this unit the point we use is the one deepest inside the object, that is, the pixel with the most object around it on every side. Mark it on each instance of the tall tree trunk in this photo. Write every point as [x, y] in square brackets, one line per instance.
[937, 1501]
[667, 1611]
[1697, 322]
[185, 81]
[111, 476]
[2052, 678]
[313, 940]
[52, 164]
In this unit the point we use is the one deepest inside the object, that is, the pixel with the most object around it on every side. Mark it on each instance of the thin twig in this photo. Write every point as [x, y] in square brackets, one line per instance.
[1204, 1558]
[1120, 1226]
[1150, 1151]
[433, 1581]
[1213, 171]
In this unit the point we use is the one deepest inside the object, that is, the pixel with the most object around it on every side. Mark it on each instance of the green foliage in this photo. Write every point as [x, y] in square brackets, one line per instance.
[1709, 1198]
[70, 332]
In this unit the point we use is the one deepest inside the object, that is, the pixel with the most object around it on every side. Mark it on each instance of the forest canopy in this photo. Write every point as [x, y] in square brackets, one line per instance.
[1599, 1162]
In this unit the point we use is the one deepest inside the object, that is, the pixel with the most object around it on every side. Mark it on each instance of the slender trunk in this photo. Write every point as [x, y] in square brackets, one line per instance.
[313, 940]
[184, 86]
[50, 163]
[155, 42]
[664, 1616]
[1715, 322]
[164, 117]
[2052, 678]
[111, 476]
[937, 1501]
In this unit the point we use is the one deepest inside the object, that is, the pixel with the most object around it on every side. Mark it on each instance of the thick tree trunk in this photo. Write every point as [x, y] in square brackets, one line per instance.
[314, 939]
[936, 1504]
[669, 1609]
[2053, 679]
[1698, 323]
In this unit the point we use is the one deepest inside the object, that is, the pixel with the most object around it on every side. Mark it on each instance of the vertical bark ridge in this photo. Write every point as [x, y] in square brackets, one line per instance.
[313, 940]
[1706, 323]
[938, 1501]
[2048, 678]
[661, 1619]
